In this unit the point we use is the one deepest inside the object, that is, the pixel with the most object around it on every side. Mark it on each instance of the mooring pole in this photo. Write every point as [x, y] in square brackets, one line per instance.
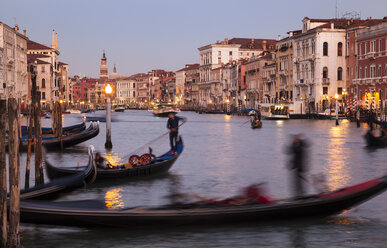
[3, 176]
[14, 174]
[39, 179]
[28, 162]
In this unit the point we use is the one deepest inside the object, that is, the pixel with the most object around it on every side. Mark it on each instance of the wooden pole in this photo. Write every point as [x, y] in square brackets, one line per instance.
[39, 179]
[3, 176]
[59, 124]
[28, 163]
[14, 174]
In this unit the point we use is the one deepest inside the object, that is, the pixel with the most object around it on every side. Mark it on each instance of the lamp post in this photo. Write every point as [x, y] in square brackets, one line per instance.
[108, 92]
[337, 109]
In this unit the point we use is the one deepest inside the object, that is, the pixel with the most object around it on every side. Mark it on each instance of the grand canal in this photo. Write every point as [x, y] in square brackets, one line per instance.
[221, 156]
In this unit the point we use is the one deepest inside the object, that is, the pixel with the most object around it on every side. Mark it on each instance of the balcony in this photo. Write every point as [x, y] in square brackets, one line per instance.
[370, 55]
[325, 81]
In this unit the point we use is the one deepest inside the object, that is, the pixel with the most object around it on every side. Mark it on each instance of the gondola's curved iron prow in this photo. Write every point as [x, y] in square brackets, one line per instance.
[95, 213]
[159, 166]
[55, 187]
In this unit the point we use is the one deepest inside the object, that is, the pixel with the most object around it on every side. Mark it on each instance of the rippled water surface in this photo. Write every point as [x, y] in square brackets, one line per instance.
[221, 156]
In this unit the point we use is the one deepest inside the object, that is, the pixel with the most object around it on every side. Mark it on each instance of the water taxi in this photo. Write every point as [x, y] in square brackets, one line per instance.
[271, 111]
[163, 109]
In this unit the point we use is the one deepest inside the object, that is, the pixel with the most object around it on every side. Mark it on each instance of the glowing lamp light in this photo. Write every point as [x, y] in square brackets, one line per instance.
[108, 89]
[336, 96]
[60, 101]
[228, 101]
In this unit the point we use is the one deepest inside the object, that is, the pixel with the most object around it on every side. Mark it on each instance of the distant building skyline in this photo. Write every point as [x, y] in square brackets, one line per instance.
[139, 36]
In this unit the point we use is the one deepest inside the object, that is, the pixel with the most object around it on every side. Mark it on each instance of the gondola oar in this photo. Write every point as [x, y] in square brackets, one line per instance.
[244, 122]
[150, 142]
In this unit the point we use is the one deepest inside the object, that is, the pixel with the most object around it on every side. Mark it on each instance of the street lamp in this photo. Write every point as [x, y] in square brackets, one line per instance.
[108, 92]
[337, 111]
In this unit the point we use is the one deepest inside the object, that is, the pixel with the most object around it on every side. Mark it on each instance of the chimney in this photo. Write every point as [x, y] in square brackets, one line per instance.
[290, 33]
[226, 41]
[25, 32]
[217, 42]
[53, 39]
[56, 41]
[332, 25]
[279, 37]
[16, 27]
[264, 45]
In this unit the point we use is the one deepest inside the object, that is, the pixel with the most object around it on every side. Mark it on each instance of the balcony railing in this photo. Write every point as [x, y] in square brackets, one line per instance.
[325, 81]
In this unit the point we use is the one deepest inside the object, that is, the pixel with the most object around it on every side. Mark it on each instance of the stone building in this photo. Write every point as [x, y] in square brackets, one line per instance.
[13, 63]
[50, 72]
[215, 55]
[126, 91]
[370, 85]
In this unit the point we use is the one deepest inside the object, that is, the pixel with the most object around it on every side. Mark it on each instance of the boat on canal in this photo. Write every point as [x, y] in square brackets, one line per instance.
[48, 130]
[255, 124]
[93, 213]
[164, 109]
[158, 166]
[120, 108]
[274, 111]
[376, 141]
[68, 139]
[58, 186]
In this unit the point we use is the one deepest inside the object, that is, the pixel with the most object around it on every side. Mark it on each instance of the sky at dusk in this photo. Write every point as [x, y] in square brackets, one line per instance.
[139, 36]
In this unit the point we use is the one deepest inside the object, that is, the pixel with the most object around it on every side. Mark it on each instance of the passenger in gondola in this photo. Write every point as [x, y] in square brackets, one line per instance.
[100, 161]
[173, 126]
[297, 165]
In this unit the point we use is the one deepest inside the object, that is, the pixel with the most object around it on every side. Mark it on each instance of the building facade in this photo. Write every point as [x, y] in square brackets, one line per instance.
[216, 55]
[13, 63]
[370, 85]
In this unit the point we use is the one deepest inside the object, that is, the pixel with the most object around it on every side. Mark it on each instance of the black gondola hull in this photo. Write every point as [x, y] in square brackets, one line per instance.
[157, 168]
[373, 141]
[92, 214]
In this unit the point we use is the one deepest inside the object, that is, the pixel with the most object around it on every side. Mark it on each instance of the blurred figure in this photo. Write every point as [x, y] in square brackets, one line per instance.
[297, 150]
[173, 126]
[358, 117]
[100, 161]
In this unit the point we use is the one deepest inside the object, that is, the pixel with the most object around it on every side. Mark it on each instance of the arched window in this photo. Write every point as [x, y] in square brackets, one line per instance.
[339, 73]
[339, 49]
[325, 72]
[325, 49]
[43, 83]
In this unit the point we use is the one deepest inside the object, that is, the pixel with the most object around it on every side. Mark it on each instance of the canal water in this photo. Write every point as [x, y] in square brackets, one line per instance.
[221, 156]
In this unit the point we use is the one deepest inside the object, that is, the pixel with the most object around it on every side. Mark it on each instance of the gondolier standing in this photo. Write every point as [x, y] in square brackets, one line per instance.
[173, 126]
[298, 163]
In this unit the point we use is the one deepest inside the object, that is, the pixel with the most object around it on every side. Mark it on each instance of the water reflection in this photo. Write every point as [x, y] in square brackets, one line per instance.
[337, 171]
[113, 199]
[298, 238]
[113, 158]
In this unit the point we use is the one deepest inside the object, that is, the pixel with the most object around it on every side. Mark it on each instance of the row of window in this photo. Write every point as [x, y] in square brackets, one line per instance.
[372, 71]
[372, 46]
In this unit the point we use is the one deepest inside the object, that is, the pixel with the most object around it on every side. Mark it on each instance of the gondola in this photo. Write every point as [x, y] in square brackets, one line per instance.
[373, 141]
[256, 124]
[158, 166]
[54, 188]
[93, 213]
[48, 130]
[68, 139]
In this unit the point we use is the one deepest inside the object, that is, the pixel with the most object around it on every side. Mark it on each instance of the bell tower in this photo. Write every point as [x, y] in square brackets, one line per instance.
[103, 69]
